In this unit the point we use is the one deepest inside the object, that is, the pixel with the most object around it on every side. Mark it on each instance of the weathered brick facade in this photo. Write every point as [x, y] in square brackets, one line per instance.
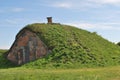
[27, 47]
[49, 20]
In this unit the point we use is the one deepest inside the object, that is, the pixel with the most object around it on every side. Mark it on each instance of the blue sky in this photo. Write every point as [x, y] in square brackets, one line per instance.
[101, 16]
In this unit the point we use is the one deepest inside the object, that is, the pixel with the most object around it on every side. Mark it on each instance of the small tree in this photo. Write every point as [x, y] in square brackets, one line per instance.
[118, 43]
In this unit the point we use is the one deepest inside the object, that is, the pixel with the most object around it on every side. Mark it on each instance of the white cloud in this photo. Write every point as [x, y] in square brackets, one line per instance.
[17, 9]
[71, 4]
[62, 5]
[11, 9]
[113, 2]
[4, 47]
[11, 21]
[16, 22]
[96, 26]
[86, 4]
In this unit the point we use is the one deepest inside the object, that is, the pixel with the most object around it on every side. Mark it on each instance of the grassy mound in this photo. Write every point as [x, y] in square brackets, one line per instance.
[4, 63]
[71, 47]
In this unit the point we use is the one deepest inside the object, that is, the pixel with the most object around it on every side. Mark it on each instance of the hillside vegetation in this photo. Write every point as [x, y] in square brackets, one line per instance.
[71, 47]
[71, 51]
[4, 63]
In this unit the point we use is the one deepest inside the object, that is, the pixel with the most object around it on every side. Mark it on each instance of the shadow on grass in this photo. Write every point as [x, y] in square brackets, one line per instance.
[5, 63]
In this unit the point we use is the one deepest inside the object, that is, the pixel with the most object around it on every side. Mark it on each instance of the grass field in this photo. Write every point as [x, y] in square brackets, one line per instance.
[107, 73]
[75, 54]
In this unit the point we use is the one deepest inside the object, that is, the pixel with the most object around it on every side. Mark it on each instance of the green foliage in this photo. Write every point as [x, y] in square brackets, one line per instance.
[71, 47]
[4, 63]
[118, 43]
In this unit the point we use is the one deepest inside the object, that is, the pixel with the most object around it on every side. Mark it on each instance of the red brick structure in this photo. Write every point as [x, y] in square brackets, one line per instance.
[49, 19]
[27, 47]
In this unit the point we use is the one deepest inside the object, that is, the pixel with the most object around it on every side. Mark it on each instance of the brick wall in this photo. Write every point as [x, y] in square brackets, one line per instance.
[27, 47]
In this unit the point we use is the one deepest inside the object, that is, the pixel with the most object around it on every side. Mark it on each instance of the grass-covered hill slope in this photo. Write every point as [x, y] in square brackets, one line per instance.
[73, 47]
[4, 63]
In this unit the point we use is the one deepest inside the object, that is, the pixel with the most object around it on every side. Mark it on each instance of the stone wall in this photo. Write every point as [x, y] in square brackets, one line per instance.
[27, 47]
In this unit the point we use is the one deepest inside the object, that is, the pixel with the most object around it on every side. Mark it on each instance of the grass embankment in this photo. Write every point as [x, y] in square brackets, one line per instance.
[20, 73]
[71, 47]
[4, 62]
[107, 73]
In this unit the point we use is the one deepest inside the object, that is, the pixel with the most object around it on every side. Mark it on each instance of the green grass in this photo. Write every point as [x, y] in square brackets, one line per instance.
[4, 62]
[2, 51]
[73, 48]
[106, 73]
[70, 47]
